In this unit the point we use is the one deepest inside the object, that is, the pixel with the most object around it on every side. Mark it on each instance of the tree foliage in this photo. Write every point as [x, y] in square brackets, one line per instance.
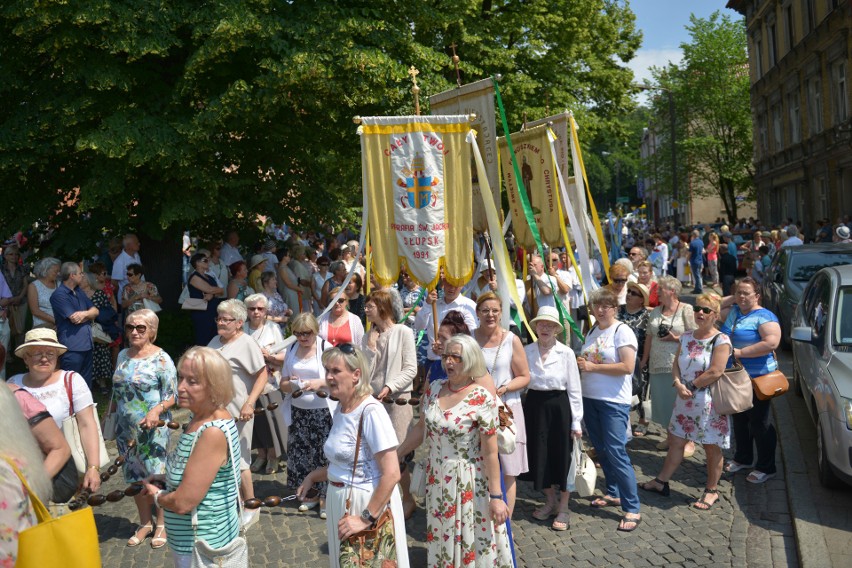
[164, 114]
[714, 128]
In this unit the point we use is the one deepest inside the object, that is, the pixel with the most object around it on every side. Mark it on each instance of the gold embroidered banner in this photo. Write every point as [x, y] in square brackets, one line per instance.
[417, 189]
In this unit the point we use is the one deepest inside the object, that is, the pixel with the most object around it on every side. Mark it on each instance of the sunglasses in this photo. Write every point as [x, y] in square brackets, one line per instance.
[347, 348]
[131, 274]
[634, 293]
[140, 329]
[342, 300]
[302, 333]
[256, 308]
[451, 357]
[704, 310]
[619, 280]
[225, 320]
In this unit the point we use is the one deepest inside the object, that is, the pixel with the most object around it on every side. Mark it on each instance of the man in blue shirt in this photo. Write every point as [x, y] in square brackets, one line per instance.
[696, 261]
[74, 314]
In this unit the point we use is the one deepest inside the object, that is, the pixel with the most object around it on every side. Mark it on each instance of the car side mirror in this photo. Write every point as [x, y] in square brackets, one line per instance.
[803, 334]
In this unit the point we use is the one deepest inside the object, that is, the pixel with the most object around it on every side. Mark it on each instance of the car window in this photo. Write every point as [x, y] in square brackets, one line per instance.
[781, 265]
[820, 311]
[809, 300]
[843, 320]
[804, 265]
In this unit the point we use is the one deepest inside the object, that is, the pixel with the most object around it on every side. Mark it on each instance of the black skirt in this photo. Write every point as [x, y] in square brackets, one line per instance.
[549, 439]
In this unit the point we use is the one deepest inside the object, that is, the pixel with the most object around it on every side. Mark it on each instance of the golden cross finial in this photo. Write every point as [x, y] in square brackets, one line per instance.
[415, 90]
[456, 60]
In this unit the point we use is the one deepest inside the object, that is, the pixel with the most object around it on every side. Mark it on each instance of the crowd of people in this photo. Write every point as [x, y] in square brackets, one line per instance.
[374, 373]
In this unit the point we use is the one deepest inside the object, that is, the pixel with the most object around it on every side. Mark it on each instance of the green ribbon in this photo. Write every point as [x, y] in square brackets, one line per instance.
[528, 214]
[414, 305]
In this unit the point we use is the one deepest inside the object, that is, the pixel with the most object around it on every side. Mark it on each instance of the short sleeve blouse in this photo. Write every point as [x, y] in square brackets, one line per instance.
[744, 330]
[602, 346]
[55, 398]
[663, 352]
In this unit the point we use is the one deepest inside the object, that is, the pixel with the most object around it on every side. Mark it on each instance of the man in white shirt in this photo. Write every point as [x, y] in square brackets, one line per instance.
[539, 291]
[452, 300]
[230, 253]
[129, 255]
[792, 237]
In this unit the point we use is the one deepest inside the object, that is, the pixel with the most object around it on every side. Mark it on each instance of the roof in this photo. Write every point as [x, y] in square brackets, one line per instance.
[737, 6]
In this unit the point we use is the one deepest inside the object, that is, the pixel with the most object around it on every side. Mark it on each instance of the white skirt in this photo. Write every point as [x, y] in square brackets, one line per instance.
[335, 508]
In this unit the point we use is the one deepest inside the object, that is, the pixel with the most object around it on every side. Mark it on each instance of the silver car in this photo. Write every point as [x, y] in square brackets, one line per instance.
[822, 366]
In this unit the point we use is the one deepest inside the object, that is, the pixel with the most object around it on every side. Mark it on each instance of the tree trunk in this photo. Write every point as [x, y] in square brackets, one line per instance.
[163, 264]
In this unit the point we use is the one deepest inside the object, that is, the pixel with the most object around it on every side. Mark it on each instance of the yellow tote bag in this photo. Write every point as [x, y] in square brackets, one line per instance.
[69, 540]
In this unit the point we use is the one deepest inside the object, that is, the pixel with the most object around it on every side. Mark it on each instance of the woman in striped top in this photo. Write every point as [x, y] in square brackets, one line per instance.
[202, 471]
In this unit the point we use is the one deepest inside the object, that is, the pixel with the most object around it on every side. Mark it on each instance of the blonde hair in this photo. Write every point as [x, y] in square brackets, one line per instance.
[213, 371]
[18, 444]
[486, 297]
[305, 321]
[355, 360]
[711, 299]
[149, 318]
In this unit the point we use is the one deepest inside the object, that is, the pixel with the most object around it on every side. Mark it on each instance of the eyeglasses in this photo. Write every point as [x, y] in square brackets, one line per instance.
[342, 300]
[743, 294]
[704, 310]
[451, 357]
[302, 333]
[140, 329]
[619, 280]
[203, 260]
[634, 293]
[225, 320]
[347, 348]
[490, 312]
[49, 355]
[603, 307]
[131, 274]
[635, 254]
[256, 308]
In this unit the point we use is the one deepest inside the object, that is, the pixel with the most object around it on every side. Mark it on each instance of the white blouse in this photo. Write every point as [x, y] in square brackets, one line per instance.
[559, 372]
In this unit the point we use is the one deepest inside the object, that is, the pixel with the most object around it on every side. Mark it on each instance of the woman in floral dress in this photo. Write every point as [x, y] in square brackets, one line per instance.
[466, 515]
[144, 387]
[701, 360]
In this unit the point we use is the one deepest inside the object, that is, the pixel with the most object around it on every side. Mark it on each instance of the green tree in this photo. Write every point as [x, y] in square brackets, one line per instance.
[168, 114]
[714, 130]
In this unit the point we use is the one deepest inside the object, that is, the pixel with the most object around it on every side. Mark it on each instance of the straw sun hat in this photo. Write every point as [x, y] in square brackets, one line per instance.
[39, 337]
[547, 313]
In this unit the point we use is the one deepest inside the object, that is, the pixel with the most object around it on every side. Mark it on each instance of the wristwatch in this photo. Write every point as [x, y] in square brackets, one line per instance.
[365, 514]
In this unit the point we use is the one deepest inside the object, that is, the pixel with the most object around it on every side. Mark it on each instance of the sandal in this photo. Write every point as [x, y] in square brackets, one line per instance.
[702, 504]
[663, 490]
[136, 540]
[640, 430]
[733, 467]
[271, 467]
[759, 477]
[622, 524]
[545, 512]
[159, 541]
[605, 501]
[257, 465]
[562, 522]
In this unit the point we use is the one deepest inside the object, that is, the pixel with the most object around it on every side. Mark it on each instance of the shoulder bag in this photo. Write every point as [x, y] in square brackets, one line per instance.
[99, 335]
[506, 436]
[69, 540]
[731, 394]
[71, 431]
[110, 420]
[235, 553]
[194, 304]
[374, 547]
[582, 476]
[771, 384]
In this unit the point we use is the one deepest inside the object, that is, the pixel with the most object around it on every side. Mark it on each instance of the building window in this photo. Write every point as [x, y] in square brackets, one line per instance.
[822, 197]
[808, 15]
[841, 97]
[777, 131]
[815, 105]
[788, 25]
[770, 44]
[795, 117]
[758, 56]
[763, 135]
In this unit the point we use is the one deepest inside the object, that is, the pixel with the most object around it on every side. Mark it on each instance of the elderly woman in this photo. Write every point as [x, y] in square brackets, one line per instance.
[238, 287]
[202, 471]
[645, 276]
[19, 450]
[108, 320]
[144, 387]
[202, 285]
[288, 284]
[59, 390]
[755, 334]
[465, 511]
[368, 486]
[339, 325]
[554, 405]
[277, 310]
[506, 362]
[452, 324]
[136, 291]
[619, 274]
[389, 347]
[606, 362]
[256, 268]
[337, 269]
[701, 359]
[666, 323]
[41, 289]
[248, 373]
[635, 314]
[306, 414]
[17, 279]
[270, 434]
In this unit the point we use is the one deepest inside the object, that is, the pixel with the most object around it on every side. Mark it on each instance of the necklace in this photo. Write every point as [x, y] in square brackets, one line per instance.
[458, 390]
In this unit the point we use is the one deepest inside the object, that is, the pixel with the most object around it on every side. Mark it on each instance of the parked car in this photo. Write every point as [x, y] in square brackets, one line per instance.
[822, 368]
[788, 273]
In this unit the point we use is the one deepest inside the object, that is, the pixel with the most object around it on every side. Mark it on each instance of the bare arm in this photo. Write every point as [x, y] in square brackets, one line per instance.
[32, 301]
[52, 444]
[718, 362]
[198, 282]
[91, 447]
[520, 369]
[260, 381]
[499, 510]
[389, 468]
[414, 437]
[770, 334]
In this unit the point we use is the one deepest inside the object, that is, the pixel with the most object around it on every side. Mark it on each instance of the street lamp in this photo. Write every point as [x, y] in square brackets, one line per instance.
[672, 133]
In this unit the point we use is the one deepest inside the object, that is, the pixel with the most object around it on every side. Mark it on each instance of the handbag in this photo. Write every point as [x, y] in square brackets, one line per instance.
[110, 420]
[583, 475]
[732, 393]
[374, 547]
[69, 540]
[71, 431]
[232, 555]
[506, 437]
[194, 304]
[770, 385]
[417, 487]
[151, 305]
[99, 335]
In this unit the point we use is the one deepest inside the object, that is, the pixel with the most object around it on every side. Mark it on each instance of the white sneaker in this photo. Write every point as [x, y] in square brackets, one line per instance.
[250, 518]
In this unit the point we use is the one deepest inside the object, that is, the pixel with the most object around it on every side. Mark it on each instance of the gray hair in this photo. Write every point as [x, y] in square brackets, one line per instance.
[257, 299]
[42, 266]
[792, 231]
[68, 270]
[353, 361]
[335, 266]
[670, 283]
[234, 308]
[473, 363]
